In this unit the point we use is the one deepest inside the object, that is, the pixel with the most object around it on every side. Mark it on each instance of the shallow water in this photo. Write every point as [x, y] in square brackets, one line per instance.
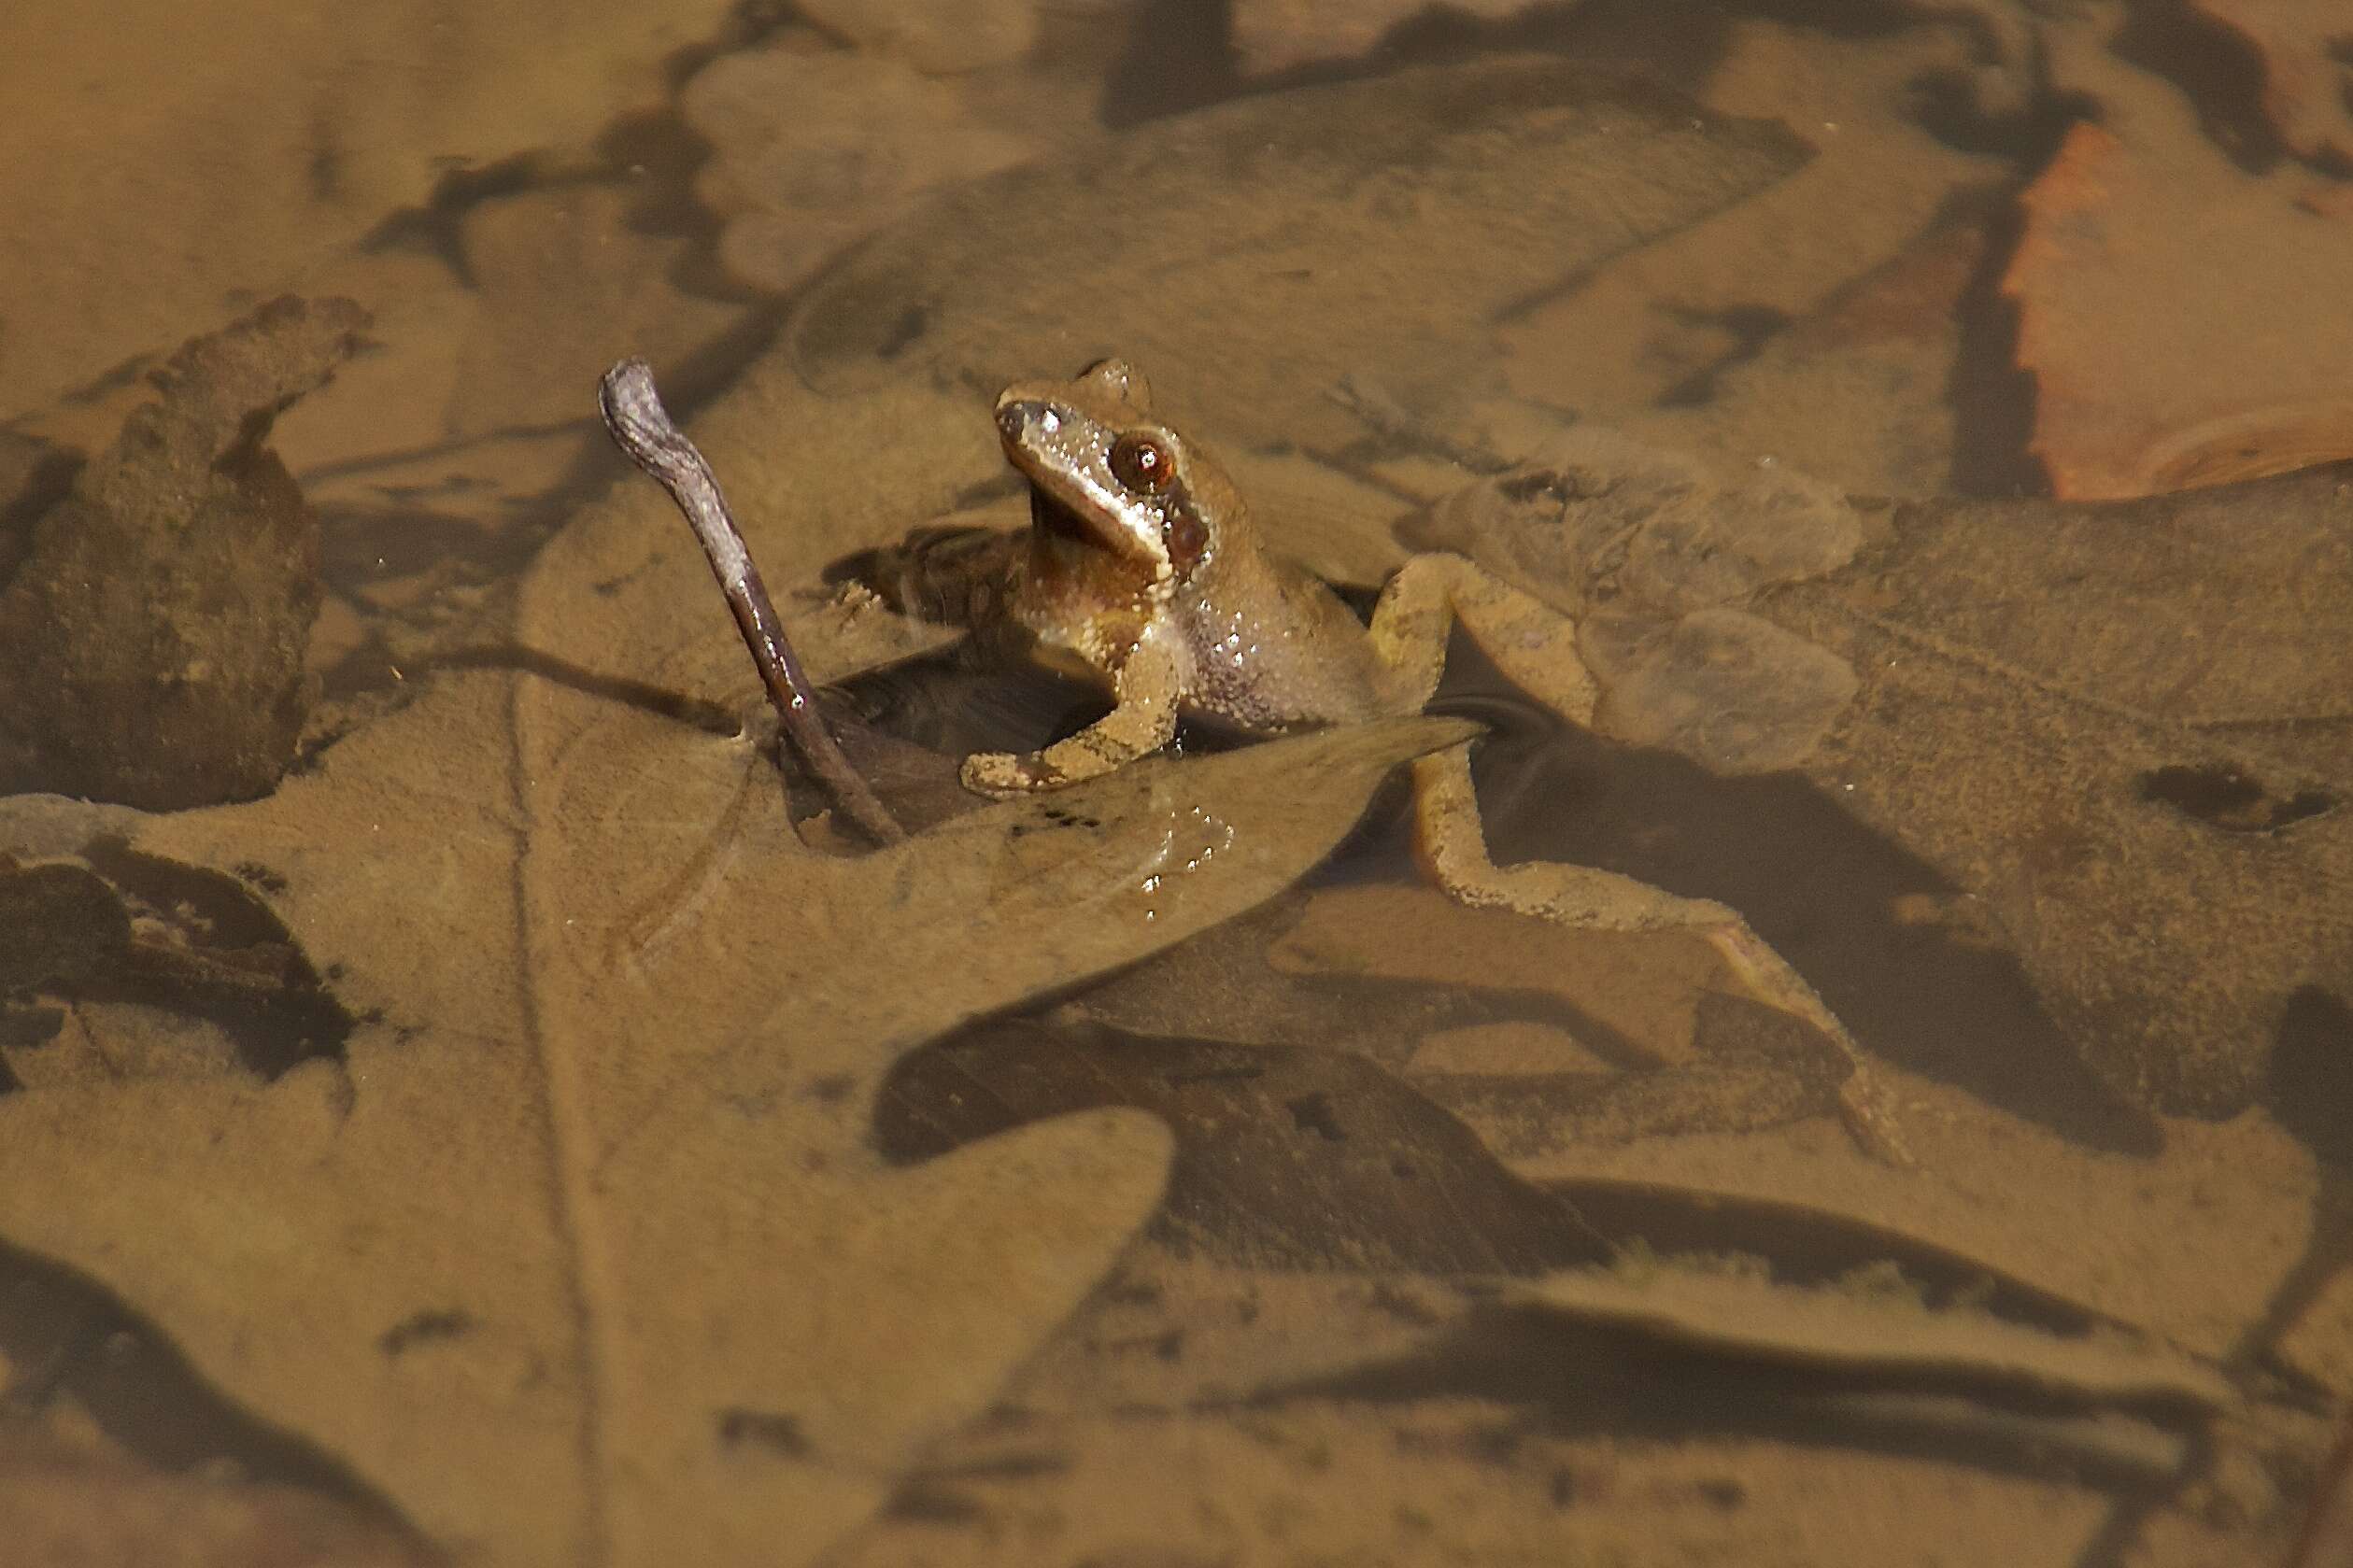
[455, 1107]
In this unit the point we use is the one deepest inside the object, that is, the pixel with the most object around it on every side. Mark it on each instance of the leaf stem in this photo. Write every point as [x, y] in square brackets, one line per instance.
[643, 428]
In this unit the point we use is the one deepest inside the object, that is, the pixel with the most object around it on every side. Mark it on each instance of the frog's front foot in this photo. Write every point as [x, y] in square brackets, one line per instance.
[1143, 721]
[1005, 775]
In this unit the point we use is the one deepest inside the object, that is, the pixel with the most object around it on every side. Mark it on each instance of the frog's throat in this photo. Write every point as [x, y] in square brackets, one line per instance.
[1052, 518]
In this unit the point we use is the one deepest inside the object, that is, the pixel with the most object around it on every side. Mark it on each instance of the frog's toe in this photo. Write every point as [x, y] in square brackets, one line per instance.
[1004, 773]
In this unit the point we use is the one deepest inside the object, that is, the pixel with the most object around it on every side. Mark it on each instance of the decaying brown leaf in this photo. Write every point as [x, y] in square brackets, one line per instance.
[2139, 221]
[619, 1176]
[1614, 1037]
[1695, 341]
[590, 1245]
[262, 143]
[1854, 1326]
[151, 639]
[2122, 728]
[1648, 552]
[1415, 211]
[817, 147]
[1268, 1404]
[610, 1131]
[578, 1251]
[2115, 727]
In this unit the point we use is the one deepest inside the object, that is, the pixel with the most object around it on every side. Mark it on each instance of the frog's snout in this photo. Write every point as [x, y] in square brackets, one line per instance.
[1017, 417]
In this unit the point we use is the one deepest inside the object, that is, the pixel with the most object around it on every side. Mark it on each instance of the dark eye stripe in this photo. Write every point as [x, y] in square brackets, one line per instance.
[1187, 535]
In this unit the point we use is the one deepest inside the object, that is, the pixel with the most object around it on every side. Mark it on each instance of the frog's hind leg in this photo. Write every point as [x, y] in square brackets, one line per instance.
[1534, 645]
[1452, 843]
[1531, 643]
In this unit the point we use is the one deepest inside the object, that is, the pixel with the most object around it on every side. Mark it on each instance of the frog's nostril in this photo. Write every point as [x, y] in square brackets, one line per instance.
[1020, 416]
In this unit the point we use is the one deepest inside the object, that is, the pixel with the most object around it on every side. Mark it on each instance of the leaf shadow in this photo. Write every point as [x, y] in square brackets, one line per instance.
[68, 1335]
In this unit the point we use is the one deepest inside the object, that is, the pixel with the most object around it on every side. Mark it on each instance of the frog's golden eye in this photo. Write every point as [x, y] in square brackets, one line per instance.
[1142, 464]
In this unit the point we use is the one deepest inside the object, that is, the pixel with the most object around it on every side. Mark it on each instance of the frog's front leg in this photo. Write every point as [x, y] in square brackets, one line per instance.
[1536, 647]
[1143, 720]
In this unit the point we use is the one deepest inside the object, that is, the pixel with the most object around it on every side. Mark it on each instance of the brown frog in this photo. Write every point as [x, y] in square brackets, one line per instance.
[1143, 569]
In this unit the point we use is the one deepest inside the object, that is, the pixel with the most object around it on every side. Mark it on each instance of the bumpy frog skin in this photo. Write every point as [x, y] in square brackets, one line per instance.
[1143, 567]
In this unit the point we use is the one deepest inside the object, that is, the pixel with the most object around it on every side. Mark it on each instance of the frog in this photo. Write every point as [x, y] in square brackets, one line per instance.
[1144, 571]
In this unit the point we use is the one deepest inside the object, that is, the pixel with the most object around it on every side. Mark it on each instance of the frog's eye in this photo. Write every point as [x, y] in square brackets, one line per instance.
[1142, 464]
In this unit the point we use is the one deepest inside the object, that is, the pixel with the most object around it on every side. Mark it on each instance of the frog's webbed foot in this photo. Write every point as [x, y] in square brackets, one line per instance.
[1143, 721]
[1534, 644]
[1005, 775]
[1452, 843]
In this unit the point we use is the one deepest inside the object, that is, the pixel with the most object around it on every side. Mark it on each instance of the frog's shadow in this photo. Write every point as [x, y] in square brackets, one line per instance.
[1818, 887]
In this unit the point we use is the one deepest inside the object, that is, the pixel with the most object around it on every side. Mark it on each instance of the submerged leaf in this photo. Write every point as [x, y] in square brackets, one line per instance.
[152, 642]
[2139, 220]
[677, 1298]
[1652, 553]
[2307, 82]
[1263, 251]
[2121, 728]
[1851, 1328]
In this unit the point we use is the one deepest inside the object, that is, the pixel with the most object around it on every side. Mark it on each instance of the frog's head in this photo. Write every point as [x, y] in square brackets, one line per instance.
[1102, 472]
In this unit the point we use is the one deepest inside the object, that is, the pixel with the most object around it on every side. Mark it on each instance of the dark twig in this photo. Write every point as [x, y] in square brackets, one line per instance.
[643, 428]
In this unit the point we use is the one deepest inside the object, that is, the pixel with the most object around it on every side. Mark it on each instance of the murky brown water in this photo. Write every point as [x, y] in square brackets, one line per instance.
[454, 1107]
